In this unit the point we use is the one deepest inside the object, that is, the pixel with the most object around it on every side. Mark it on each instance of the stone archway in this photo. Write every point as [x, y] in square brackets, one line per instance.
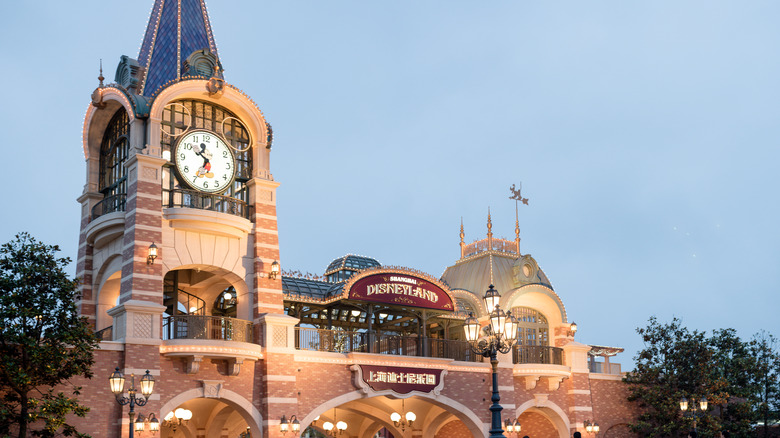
[558, 425]
[620, 430]
[368, 413]
[219, 410]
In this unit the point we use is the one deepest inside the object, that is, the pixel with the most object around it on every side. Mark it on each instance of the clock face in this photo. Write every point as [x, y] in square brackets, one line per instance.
[205, 162]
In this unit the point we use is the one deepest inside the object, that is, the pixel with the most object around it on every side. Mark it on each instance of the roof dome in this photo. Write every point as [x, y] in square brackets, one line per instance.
[351, 262]
[508, 273]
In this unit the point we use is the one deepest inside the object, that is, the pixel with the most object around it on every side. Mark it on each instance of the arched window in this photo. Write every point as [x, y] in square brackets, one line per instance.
[114, 151]
[532, 327]
[183, 115]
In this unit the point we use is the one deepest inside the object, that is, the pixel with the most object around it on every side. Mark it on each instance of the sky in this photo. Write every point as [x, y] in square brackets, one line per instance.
[644, 135]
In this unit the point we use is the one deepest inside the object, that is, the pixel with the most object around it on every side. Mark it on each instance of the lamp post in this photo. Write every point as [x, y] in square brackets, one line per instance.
[501, 335]
[117, 384]
[698, 409]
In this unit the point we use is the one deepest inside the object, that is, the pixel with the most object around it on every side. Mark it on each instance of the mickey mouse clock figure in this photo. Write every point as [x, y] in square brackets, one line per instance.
[205, 162]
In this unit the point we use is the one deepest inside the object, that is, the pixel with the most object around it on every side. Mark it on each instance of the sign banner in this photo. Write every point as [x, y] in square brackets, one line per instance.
[401, 380]
[401, 290]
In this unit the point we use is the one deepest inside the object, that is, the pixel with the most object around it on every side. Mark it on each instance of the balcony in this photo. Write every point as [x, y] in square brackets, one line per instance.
[195, 337]
[214, 328]
[526, 354]
[109, 204]
[340, 341]
[206, 201]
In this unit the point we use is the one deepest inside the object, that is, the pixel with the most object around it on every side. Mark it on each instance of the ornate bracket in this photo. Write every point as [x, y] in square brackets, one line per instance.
[192, 364]
[530, 382]
[234, 366]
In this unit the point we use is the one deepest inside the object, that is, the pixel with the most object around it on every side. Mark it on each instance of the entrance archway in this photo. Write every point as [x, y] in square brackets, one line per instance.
[547, 421]
[366, 414]
[229, 413]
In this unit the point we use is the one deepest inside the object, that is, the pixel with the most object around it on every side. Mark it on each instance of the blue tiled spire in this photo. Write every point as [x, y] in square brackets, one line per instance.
[176, 29]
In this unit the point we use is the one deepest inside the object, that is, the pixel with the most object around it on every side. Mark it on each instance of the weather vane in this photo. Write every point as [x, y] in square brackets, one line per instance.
[516, 194]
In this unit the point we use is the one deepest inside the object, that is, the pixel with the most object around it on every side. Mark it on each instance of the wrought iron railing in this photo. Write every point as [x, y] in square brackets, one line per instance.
[106, 334]
[206, 201]
[341, 341]
[537, 354]
[493, 244]
[109, 204]
[217, 328]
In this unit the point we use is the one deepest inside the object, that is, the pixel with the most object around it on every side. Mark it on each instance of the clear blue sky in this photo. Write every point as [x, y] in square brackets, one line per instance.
[645, 135]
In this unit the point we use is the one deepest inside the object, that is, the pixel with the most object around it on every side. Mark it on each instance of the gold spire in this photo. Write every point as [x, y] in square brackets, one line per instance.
[517, 229]
[462, 236]
[490, 231]
[100, 78]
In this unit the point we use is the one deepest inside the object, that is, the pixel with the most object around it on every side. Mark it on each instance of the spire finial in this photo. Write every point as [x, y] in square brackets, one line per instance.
[462, 236]
[489, 224]
[518, 197]
[100, 78]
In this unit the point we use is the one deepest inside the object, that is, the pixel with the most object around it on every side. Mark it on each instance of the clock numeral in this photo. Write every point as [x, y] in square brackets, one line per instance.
[224, 154]
[224, 177]
[227, 166]
[186, 169]
[182, 156]
[216, 183]
[194, 178]
[205, 184]
[188, 146]
[195, 138]
[207, 138]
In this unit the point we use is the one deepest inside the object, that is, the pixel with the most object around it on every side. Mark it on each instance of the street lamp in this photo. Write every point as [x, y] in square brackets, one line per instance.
[501, 335]
[698, 409]
[513, 426]
[293, 425]
[117, 384]
[592, 427]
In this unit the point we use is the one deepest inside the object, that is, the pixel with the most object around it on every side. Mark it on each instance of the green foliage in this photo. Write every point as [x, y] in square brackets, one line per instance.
[766, 350]
[43, 341]
[677, 363]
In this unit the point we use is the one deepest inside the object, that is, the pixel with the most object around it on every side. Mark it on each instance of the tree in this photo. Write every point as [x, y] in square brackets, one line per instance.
[739, 380]
[766, 351]
[43, 341]
[675, 363]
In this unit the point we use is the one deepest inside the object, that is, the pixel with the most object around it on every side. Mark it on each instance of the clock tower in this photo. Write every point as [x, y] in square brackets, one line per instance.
[178, 233]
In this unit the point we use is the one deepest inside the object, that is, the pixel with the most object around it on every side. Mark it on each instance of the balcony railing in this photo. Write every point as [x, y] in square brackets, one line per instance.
[206, 201]
[537, 354]
[340, 341]
[105, 334]
[215, 328]
[109, 204]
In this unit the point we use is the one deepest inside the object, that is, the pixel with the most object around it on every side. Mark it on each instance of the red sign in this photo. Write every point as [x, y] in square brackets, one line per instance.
[402, 290]
[401, 380]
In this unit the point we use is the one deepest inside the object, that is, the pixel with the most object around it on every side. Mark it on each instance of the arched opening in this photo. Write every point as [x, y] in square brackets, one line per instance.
[206, 303]
[549, 421]
[227, 415]
[370, 417]
[112, 177]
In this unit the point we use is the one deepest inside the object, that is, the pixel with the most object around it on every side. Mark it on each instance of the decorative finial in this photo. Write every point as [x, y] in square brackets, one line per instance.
[518, 197]
[100, 78]
[490, 224]
[462, 234]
